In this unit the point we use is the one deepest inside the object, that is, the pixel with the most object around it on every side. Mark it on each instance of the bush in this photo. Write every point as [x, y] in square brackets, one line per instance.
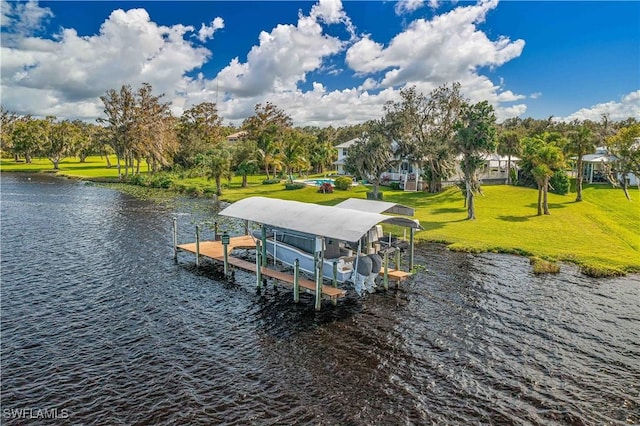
[395, 185]
[161, 181]
[343, 183]
[295, 185]
[270, 181]
[326, 188]
[560, 182]
[139, 180]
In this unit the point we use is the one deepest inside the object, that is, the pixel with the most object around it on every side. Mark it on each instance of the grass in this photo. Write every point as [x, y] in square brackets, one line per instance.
[601, 233]
[95, 167]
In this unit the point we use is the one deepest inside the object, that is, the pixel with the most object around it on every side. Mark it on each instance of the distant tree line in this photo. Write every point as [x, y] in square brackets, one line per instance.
[439, 131]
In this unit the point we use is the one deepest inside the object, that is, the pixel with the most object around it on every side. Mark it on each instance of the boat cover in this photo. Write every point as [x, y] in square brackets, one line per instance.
[314, 219]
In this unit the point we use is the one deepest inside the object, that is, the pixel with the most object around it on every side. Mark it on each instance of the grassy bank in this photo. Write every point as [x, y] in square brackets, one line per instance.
[602, 233]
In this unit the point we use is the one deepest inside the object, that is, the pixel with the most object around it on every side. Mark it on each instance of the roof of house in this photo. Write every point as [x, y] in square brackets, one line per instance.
[237, 135]
[347, 144]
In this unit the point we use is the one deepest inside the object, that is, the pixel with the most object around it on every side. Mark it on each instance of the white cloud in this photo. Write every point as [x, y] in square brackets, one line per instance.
[206, 31]
[23, 17]
[64, 75]
[629, 106]
[408, 6]
[285, 55]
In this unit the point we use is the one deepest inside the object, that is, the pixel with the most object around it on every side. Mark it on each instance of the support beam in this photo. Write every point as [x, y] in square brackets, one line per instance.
[385, 279]
[264, 246]
[318, 268]
[258, 265]
[296, 281]
[197, 246]
[411, 248]
[175, 239]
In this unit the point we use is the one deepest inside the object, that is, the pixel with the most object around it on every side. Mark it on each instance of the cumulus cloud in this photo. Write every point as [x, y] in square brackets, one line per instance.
[629, 106]
[206, 31]
[67, 74]
[285, 55]
[408, 6]
[23, 17]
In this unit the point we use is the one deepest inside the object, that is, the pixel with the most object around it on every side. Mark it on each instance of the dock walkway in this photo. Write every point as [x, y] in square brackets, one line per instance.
[214, 250]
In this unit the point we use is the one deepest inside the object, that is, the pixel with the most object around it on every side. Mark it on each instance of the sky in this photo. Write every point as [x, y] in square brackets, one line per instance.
[325, 62]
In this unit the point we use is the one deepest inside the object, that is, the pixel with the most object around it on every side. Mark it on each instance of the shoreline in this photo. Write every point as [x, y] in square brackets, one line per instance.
[541, 263]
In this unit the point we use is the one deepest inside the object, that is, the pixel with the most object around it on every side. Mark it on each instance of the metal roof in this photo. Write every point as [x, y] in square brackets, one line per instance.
[375, 206]
[314, 219]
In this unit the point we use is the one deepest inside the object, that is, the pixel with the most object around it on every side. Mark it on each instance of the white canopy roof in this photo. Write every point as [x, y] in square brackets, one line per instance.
[326, 221]
[375, 206]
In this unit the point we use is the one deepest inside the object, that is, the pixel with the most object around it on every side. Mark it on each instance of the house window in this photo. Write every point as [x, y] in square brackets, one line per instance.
[344, 151]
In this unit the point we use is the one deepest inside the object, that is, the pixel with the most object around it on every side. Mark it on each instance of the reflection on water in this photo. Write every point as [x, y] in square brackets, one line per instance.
[98, 320]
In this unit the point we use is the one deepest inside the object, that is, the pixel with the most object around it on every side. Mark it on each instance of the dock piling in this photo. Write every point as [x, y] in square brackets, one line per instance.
[197, 246]
[225, 251]
[296, 281]
[258, 265]
[386, 271]
[411, 242]
[175, 239]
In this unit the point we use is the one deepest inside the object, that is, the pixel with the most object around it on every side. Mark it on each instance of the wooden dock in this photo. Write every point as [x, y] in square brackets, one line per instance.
[214, 250]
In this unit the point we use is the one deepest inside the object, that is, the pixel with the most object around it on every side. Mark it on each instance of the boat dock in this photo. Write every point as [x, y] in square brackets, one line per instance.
[215, 250]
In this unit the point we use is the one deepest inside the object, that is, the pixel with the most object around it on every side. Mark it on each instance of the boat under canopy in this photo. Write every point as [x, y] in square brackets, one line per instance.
[339, 222]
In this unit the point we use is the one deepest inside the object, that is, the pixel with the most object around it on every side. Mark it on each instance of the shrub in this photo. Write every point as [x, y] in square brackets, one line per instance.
[326, 188]
[270, 181]
[560, 182]
[139, 180]
[371, 197]
[541, 266]
[295, 185]
[161, 181]
[343, 183]
[395, 185]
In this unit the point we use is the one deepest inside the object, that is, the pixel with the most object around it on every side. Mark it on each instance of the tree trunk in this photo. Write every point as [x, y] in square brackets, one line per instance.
[545, 191]
[509, 169]
[119, 169]
[55, 164]
[244, 181]
[106, 156]
[471, 214]
[27, 158]
[579, 180]
[16, 157]
[218, 186]
[625, 187]
[539, 200]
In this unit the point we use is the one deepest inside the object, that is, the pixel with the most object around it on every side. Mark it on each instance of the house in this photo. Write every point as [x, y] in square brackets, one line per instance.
[235, 137]
[409, 174]
[343, 150]
[595, 166]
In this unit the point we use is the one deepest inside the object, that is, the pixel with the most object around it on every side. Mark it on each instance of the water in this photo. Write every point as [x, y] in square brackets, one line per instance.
[101, 325]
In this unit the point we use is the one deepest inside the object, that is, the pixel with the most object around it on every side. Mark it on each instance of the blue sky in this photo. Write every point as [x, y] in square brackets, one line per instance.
[325, 62]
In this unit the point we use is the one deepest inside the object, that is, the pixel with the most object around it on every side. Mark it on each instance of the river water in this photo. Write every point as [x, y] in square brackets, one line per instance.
[100, 326]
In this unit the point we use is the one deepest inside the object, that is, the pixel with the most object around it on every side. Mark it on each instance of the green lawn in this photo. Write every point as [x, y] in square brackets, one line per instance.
[602, 233]
[94, 167]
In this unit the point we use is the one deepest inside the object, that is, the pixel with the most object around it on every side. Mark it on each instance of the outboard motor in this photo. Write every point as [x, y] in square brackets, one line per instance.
[362, 273]
[376, 265]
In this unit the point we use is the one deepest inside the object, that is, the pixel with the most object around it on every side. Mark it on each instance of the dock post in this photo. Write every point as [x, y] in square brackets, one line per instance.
[258, 265]
[296, 282]
[318, 268]
[397, 259]
[386, 271]
[215, 231]
[264, 246]
[175, 239]
[197, 246]
[225, 251]
[411, 232]
[246, 227]
[335, 274]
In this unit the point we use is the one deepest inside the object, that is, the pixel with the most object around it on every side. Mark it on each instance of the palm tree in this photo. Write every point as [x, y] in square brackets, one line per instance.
[509, 144]
[292, 153]
[475, 137]
[370, 156]
[545, 161]
[581, 142]
[217, 164]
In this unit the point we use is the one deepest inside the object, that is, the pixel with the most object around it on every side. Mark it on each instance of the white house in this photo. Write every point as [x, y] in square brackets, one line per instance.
[595, 166]
[343, 150]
